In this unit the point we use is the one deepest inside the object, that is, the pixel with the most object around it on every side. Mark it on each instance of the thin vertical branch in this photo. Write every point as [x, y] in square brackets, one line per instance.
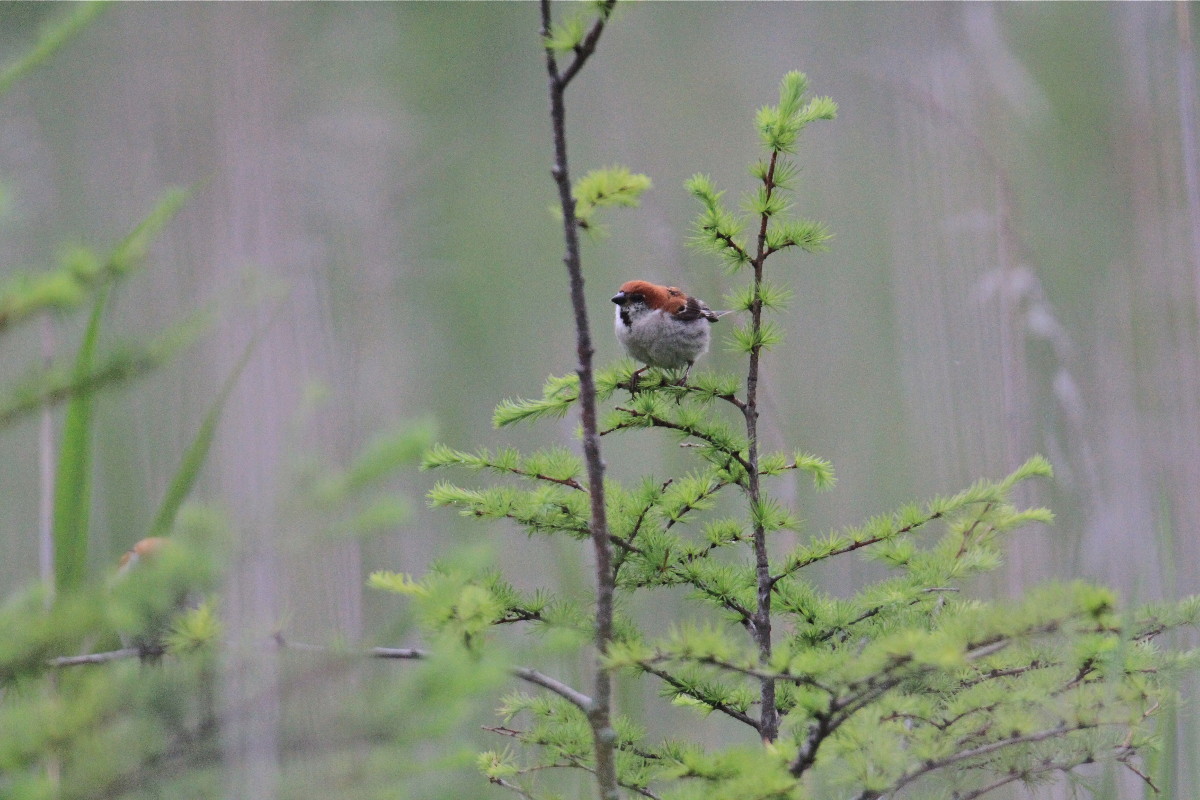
[769, 719]
[600, 711]
[46, 468]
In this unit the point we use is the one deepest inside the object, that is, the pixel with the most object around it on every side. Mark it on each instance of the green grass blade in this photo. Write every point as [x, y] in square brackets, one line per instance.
[131, 251]
[197, 453]
[73, 478]
[48, 44]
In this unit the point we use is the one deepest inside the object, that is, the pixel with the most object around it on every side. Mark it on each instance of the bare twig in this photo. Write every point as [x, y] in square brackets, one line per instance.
[854, 545]
[588, 46]
[405, 653]
[840, 710]
[934, 764]
[599, 711]
[661, 422]
[538, 476]
[754, 672]
[627, 544]
[1125, 762]
[676, 684]
[512, 787]
[95, 658]
[576, 698]
[573, 696]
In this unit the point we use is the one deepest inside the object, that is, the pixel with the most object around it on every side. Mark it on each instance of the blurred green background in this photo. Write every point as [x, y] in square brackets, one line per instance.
[1016, 266]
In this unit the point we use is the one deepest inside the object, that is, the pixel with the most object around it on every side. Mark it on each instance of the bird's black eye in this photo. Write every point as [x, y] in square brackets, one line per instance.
[637, 297]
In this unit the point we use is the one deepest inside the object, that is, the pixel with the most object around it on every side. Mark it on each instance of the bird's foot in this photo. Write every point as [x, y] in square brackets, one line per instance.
[632, 384]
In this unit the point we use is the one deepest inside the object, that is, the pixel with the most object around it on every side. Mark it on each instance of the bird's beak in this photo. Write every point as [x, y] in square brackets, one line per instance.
[619, 298]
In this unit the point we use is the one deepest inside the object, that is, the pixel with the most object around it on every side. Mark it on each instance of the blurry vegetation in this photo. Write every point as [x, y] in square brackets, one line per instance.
[96, 732]
[109, 680]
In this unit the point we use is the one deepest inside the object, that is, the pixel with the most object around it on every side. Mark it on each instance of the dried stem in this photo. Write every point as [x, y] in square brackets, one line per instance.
[568, 693]
[95, 658]
[573, 696]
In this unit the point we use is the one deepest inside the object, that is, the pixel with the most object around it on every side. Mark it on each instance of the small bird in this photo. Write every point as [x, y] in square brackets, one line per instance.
[661, 326]
[155, 585]
[146, 548]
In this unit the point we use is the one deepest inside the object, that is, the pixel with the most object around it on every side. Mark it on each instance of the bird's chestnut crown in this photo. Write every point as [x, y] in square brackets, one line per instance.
[667, 298]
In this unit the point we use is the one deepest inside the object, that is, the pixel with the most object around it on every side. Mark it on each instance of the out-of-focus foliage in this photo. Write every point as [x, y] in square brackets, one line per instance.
[111, 681]
[82, 271]
[82, 717]
[52, 38]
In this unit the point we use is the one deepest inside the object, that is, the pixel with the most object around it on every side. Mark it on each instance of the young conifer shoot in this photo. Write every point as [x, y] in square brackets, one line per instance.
[910, 686]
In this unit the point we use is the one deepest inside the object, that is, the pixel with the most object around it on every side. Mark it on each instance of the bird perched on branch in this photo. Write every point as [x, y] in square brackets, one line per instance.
[662, 326]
